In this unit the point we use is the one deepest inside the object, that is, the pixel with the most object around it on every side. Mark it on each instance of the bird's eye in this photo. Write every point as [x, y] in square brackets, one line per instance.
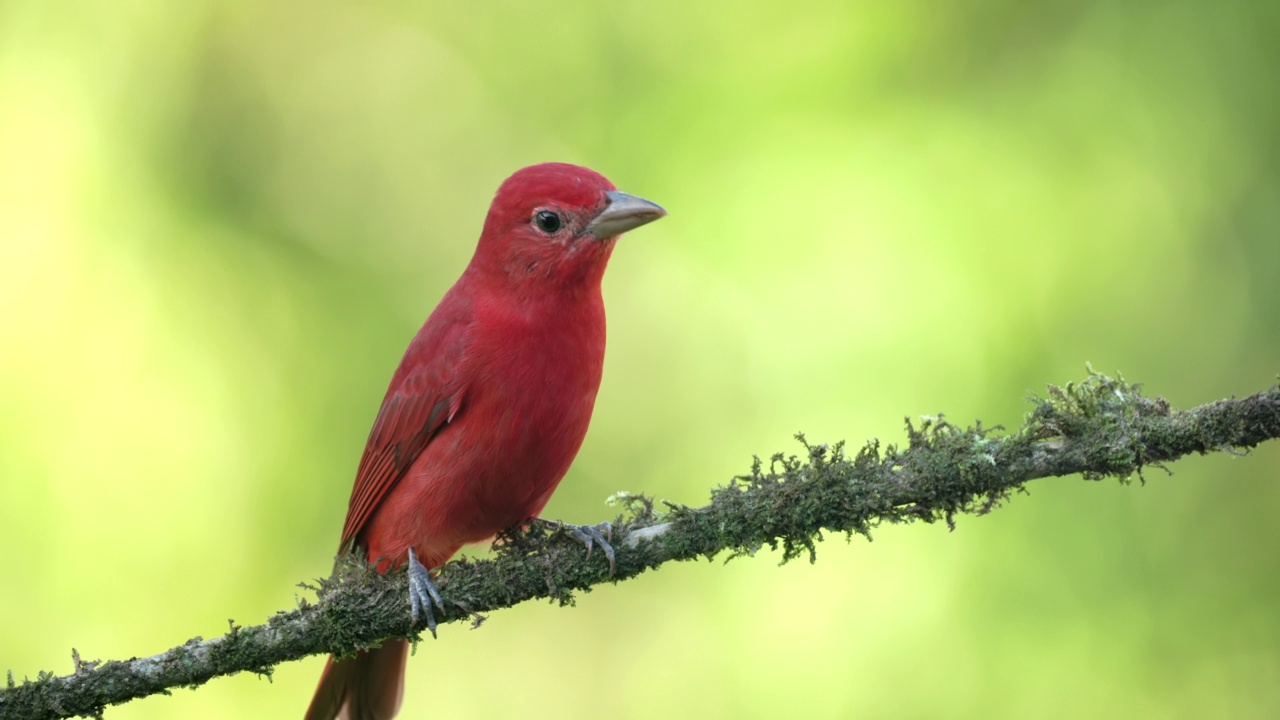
[547, 221]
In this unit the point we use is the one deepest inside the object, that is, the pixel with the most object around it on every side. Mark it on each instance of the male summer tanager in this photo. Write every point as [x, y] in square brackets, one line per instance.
[489, 404]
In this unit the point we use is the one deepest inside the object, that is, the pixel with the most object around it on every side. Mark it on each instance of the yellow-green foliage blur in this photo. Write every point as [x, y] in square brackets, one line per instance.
[220, 223]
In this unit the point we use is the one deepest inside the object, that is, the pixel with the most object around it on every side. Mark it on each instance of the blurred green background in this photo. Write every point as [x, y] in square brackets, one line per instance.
[220, 223]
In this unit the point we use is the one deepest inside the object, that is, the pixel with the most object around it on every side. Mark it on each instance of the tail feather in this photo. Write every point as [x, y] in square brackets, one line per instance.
[368, 686]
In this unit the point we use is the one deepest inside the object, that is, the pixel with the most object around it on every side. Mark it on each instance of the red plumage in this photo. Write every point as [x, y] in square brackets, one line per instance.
[491, 401]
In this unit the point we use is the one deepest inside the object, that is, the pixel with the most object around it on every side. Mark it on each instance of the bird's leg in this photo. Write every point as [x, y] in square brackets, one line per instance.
[589, 535]
[423, 593]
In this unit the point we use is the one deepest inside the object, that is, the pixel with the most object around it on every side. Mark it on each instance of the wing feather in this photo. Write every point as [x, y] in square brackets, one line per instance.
[425, 393]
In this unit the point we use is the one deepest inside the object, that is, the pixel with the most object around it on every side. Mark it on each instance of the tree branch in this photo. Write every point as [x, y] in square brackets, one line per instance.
[1099, 428]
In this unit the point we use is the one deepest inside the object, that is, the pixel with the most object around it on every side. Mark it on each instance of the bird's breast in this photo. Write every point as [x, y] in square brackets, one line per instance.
[523, 418]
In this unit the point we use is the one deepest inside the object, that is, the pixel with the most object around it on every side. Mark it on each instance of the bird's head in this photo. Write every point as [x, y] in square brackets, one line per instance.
[556, 224]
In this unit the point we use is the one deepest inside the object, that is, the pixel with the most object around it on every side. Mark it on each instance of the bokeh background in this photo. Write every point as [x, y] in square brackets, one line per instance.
[220, 223]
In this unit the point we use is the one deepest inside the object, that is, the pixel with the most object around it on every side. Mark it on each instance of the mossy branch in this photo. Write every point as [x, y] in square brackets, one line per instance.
[1099, 428]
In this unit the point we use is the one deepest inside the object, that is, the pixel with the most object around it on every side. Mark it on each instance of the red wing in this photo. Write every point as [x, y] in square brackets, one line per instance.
[425, 394]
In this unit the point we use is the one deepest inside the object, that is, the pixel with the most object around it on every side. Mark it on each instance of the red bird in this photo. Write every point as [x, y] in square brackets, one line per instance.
[489, 404]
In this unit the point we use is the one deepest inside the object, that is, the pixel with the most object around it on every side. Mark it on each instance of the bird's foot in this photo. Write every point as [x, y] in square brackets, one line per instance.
[423, 593]
[590, 535]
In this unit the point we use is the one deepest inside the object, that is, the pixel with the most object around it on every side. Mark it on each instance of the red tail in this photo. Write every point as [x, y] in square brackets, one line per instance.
[368, 686]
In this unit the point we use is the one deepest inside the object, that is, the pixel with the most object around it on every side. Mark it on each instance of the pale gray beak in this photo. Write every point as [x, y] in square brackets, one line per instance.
[624, 212]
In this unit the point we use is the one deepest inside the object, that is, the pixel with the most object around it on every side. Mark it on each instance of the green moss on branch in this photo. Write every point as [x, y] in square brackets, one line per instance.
[1102, 427]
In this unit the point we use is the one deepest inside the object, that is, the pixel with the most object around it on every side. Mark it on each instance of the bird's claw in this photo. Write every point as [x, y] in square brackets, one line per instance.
[592, 535]
[422, 593]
